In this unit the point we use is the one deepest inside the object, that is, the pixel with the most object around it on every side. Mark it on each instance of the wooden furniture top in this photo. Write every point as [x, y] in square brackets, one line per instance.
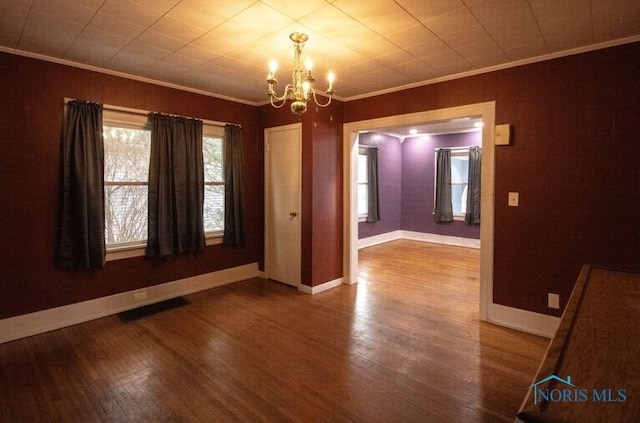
[597, 345]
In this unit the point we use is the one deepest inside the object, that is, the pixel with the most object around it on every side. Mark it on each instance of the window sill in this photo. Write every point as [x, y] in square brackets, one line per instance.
[130, 251]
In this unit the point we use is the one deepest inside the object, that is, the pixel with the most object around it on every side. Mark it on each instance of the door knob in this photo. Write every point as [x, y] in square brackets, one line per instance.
[293, 214]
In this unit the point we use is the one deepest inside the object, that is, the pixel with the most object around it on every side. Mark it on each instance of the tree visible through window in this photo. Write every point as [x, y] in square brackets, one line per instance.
[213, 184]
[126, 172]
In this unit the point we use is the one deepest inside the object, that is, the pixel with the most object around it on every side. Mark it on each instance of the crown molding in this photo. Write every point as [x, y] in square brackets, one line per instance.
[543, 58]
[122, 75]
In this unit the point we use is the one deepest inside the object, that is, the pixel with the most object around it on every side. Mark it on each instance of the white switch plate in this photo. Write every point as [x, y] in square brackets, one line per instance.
[553, 300]
[514, 199]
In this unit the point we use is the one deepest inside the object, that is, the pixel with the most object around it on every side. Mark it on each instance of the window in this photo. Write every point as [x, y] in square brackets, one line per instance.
[127, 148]
[126, 171]
[459, 182]
[363, 185]
[213, 156]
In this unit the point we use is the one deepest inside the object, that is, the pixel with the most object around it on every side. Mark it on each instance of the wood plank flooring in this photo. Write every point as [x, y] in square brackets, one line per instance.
[402, 345]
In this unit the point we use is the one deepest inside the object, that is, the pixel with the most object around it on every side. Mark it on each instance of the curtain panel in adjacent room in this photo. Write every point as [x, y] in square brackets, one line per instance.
[234, 186]
[472, 215]
[443, 208]
[81, 243]
[373, 209]
[176, 186]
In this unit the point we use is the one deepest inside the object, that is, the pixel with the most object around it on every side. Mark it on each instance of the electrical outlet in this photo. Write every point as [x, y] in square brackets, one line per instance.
[553, 300]
[139, 296]
[514, 199]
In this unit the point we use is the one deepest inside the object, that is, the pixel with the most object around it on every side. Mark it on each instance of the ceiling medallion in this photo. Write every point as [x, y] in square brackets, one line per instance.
[300, 90]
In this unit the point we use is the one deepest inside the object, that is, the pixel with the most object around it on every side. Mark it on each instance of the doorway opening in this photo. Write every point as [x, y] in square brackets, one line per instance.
[483, 111]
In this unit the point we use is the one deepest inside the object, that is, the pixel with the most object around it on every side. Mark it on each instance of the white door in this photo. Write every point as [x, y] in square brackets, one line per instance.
[282, 161]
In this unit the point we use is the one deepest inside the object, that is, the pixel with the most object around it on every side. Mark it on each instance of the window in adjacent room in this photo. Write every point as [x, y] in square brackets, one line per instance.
[363, 185]
[459, 182]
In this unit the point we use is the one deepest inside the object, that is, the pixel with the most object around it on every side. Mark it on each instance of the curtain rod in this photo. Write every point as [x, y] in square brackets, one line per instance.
[458, 148]
[145, 112]
[367, 146]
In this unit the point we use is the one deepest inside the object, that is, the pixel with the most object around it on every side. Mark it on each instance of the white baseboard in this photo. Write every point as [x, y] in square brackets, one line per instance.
[523, 320]
[312, 289]
[55, 318]
[379, 239]
[320, 288]
[441, 239]
[418, 236]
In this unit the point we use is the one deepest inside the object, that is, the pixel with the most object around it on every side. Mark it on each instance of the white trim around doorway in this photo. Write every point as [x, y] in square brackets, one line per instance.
[486, 111]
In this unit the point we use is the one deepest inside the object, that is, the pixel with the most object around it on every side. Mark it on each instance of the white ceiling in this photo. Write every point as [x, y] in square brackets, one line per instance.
[223, 47]
[450, 126]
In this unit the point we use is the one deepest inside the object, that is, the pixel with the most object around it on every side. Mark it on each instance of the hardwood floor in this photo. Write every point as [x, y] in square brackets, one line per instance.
[402, 345]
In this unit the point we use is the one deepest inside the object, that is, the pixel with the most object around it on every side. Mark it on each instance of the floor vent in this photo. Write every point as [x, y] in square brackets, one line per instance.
[151, 309]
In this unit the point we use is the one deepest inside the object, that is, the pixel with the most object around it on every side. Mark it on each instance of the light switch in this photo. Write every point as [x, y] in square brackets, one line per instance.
[514, 199]
[553, 300]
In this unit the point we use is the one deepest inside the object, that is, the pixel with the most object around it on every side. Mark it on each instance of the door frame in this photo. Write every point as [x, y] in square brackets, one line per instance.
[267, 131]
[484, 110]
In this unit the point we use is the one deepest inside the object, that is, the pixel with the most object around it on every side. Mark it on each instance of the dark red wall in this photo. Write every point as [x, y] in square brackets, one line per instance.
[326, 199]
[574, 161]
[31, 103]
[321, 187]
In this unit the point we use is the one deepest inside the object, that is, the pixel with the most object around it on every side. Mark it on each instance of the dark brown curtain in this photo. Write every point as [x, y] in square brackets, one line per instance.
[472, 215]
[81, 243]
[176, 186]
[234, 186]
[373, 206]
[443, 208]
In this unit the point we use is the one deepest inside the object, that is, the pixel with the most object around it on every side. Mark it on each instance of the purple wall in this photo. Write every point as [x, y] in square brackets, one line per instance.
[418, 157]
[389, 184]
[405, 173]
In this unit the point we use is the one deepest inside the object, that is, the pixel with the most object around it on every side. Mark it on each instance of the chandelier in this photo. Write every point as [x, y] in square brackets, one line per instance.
[300, 90]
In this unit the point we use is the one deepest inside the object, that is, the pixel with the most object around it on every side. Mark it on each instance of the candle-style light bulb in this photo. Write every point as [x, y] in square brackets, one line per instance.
[271, 78]
[309, 64]
[331, 77]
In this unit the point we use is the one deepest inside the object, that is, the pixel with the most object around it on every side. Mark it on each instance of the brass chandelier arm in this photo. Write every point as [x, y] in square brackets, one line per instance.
[273, 96]
[277, 106]
[317, 102]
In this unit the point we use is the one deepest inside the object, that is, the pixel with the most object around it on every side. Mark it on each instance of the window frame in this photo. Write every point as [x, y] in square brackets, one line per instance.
[217, 132]
[138, 119]
[455, 151]
[362, 217]
[121, 119]
[460, 152]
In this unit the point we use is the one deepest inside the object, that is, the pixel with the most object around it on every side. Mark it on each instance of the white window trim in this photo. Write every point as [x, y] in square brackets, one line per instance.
[131, 120]
[130, 251]
[459, 152]
[362, 217]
